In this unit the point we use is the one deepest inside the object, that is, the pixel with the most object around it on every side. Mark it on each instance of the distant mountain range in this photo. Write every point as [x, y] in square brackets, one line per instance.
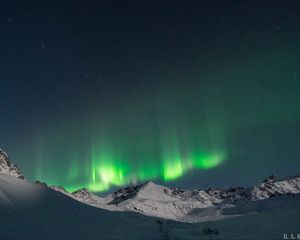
[36, 210]
[193, 205]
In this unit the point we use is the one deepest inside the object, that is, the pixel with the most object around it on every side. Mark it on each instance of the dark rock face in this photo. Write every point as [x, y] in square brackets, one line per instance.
[270, 179]
[125, 193]
[41, 183]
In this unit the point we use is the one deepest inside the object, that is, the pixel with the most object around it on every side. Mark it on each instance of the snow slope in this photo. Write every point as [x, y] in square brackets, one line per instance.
[36, 211]
[195, 205]
[33, 211]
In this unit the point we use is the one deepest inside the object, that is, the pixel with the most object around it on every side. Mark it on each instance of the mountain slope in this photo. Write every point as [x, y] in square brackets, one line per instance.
[32, 211]
[195, 205]
[199, 205]
[7, 167]
[36, 211]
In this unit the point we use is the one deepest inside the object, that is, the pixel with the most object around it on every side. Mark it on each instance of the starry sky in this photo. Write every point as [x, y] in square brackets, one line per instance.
[102, 94]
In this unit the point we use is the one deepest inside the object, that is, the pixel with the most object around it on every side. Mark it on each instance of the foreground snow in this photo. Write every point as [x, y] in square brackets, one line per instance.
[36, 211]
[32, 211]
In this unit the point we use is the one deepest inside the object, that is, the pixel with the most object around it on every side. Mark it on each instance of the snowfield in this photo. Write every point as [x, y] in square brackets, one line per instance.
[194, 205]
[32, 211]
[147, 211]
[35, 212]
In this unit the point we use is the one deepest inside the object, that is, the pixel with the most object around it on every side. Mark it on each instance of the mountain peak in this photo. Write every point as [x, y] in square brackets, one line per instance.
[82, 193]
[59, 189]
[270, 179]
[43, 184]
[150, 190]
[149, 185]
[7, 167]
[86, 196]
[152, 199]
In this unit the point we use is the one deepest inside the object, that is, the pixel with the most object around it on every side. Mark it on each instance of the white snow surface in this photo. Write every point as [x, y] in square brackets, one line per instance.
[194, 205]
[36, 211]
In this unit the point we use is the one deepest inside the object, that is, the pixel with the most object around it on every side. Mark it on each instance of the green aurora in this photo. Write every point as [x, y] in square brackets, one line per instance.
[180, 93]
[103, 166]
[161, 136]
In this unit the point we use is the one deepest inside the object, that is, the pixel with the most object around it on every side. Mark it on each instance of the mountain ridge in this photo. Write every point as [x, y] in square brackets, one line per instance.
[178, 204]
[7, 167]
[192, 205]
[34, 211]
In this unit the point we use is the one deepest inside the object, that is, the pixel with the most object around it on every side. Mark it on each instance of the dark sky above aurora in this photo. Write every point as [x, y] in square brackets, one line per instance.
[102, 94]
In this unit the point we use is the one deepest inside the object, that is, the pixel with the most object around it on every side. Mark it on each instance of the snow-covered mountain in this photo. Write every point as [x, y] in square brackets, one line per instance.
[33, 211]
[193, 205]
[36, 211]
[198, 205]
[7, 167]
[83, 195]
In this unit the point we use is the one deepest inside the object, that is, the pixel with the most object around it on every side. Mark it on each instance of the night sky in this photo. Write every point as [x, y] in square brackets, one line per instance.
[102, 94]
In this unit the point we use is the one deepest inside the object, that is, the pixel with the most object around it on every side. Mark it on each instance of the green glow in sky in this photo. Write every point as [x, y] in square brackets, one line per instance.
[163, 133]
[107, 171]
[106, 167]
[184, 94]
[100, 165]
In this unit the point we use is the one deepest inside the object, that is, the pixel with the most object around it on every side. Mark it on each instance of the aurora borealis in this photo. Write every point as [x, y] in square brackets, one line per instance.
[117, 151]
[103, 94]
